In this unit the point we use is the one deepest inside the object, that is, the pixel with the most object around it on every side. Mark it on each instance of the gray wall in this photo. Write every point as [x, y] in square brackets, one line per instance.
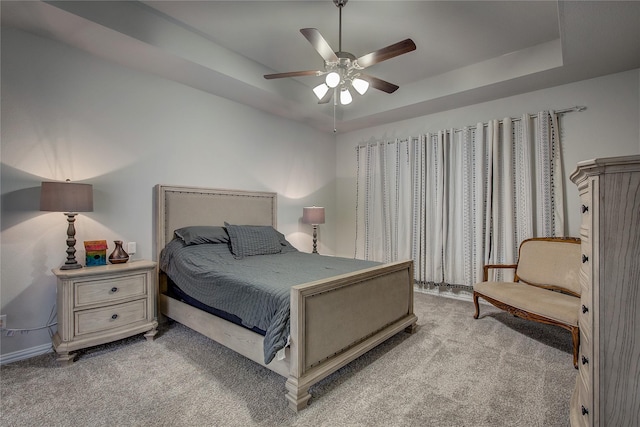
[67, 114]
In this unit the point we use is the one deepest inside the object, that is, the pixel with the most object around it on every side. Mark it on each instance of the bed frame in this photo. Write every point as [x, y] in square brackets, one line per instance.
[375, 303]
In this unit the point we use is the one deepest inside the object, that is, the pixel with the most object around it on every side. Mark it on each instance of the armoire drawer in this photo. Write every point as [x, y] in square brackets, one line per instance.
[586, 291]
[583, 404]
[585, 317]
[586, 261]
[585, 361]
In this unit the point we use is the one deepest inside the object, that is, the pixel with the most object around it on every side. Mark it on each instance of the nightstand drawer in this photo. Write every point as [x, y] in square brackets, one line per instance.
[111, 289]
[115, 316]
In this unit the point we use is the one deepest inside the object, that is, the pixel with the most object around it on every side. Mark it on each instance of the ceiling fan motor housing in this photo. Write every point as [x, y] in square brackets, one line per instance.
[347, 66]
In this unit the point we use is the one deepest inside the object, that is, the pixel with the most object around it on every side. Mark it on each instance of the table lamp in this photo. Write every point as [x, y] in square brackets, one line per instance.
[69, 198]
[314, 216]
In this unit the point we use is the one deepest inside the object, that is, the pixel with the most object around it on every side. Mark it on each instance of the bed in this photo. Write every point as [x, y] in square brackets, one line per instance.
[332, 321]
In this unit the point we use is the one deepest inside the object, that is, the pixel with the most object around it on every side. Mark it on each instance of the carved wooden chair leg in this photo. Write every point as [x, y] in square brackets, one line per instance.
[475, 303]
[575, 336]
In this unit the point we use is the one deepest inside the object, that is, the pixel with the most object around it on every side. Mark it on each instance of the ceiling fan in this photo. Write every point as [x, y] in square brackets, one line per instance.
[342, 69]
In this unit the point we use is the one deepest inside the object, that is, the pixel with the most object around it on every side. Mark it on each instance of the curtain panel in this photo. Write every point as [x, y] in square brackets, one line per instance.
[458, 199]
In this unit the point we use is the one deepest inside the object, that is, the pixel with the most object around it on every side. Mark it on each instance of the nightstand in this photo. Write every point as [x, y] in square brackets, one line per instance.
[97, 305]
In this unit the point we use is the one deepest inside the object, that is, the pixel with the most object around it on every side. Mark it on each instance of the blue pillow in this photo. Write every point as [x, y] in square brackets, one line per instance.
[199, 234]
[249, 240]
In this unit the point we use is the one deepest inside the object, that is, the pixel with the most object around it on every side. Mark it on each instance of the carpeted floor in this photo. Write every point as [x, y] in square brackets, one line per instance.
[455, 371]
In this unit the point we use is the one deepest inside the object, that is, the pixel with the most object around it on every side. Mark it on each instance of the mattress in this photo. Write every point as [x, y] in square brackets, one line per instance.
[175, 292]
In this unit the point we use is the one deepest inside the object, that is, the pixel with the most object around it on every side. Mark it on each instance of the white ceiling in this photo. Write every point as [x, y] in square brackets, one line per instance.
[467, 51]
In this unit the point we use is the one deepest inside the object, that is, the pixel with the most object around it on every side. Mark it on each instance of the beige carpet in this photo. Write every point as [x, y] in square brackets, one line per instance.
[455, 371]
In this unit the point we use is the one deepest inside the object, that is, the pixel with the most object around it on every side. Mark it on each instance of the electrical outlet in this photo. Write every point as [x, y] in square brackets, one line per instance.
[131, 248]
[3, 321]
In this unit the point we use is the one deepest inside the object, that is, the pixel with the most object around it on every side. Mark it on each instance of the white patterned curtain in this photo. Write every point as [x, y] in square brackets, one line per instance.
[457, 199]
[384, 188]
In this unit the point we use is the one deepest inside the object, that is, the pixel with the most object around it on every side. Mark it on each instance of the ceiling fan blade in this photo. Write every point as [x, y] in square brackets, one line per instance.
[294, 74]
[327, 97]
[385, 53]
[379, 83]
[319, 44]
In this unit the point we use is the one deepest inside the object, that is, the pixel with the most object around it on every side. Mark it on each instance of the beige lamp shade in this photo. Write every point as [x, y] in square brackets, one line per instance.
[66, 197]
[313, 215]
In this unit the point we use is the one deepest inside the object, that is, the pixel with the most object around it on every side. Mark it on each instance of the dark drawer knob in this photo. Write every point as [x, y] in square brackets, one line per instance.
[585, 208]
[584, 309]
[584, 360]
[114, 289]
[584, 258]
[114, 317]
[585, 411]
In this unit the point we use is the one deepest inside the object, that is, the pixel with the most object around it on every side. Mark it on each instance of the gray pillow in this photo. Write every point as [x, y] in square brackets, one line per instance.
[199, 234]
[286, 246]
[249, 240]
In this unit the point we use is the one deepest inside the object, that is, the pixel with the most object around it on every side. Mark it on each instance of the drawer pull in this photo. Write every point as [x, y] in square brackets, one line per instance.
[114, 317]
[114, 290]
[585, 411]
[584, 258]
[584, 309]
[584, 360]
[585, 208]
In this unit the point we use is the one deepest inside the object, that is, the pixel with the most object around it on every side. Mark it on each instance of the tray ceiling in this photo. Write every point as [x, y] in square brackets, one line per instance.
[467, 51]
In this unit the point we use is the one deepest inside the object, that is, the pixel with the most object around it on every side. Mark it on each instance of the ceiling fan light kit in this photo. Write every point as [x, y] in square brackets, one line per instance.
[345, 96]
[333, 79]
[342, 70]
[361, 86]
[321, 90]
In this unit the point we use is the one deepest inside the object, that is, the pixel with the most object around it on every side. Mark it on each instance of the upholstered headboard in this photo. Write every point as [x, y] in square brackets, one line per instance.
[178, 207]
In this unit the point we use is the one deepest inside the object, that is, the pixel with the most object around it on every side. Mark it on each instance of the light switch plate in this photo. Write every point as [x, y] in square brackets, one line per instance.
[131, 248]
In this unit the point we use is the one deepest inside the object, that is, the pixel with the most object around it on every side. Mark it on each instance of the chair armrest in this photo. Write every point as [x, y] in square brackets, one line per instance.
[486, 268]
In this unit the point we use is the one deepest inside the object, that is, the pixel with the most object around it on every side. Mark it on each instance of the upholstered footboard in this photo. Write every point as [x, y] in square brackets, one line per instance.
[375, 303]
[333, 321]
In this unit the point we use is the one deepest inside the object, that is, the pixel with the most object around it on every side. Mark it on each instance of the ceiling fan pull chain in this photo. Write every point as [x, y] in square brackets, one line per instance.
[335, 101]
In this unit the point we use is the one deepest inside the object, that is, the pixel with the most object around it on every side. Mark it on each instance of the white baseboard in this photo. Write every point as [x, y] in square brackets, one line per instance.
[25, 354]
[463, 295]
[47, 348]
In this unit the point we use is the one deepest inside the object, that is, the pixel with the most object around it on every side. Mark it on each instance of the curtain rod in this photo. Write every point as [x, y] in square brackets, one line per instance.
[577, 108]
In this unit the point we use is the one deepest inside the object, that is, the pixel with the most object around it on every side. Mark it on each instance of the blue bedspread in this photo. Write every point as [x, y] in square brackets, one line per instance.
[256, 288]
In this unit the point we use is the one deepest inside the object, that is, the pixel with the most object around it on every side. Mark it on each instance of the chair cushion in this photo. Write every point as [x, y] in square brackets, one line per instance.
[543, 302]
[550, 263]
